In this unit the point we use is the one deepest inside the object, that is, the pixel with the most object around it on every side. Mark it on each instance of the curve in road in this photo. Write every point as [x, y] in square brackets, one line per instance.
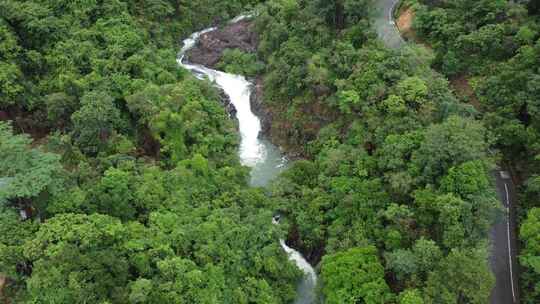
[385, 24]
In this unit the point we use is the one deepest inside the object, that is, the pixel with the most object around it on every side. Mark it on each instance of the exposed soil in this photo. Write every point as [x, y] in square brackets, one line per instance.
[2, 283]
[404, 23]
[32, 123]
[463, 89]
[210, 46]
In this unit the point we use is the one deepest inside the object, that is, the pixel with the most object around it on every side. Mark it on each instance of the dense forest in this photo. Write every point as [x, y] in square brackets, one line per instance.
[120, 180]
[395, 192]
[495, 46]
[130, 178]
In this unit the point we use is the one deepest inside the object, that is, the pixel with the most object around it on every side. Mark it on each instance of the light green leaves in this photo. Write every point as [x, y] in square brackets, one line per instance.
[354, 276]
[27, 172]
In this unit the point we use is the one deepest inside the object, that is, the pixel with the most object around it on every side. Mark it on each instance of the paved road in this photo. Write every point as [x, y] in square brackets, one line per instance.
[385, 25]
[503, 260]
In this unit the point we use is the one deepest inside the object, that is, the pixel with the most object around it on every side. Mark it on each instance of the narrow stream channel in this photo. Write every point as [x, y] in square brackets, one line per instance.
[265, 159]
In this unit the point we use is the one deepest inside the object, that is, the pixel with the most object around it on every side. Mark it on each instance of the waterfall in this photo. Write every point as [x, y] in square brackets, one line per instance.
[265, 159]
[306, 287]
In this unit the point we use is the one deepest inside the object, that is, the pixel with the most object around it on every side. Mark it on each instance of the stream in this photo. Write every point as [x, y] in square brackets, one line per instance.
[265, 159]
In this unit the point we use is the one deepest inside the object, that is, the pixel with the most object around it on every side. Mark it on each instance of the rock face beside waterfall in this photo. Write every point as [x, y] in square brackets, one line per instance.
[208, 52]
[257, 106]
[227, 104]
[275, 124]
[210, 46]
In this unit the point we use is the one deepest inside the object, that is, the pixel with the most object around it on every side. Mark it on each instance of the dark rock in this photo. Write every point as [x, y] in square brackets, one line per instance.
[258, 108]
[312, 254]
[272, 127]
[228, 105]
[210, 46]
[241, 35]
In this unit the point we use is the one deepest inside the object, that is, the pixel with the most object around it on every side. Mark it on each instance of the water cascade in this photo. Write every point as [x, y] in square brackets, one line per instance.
[265, 159]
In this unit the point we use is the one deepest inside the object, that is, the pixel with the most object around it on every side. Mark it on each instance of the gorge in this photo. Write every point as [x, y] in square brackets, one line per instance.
[265, 159]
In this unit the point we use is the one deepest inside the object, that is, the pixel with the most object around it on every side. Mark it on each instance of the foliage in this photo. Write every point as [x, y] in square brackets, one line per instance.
[143, 199]
[494, 44]
[411, 297]
[95, 122]
[453, 142]
[530, 255]
[463, 275]
[136, 180]
[354, 276]
[395, 162]
[235, 61]
[26, 172]
[76, 259]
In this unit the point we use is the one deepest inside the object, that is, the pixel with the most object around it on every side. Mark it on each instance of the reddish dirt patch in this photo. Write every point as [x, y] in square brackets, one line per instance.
[31, 123]
[2, 283]
[404, 23]
[463, 89]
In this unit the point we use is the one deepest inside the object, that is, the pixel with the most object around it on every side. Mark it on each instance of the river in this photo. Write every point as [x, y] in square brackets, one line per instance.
[265, 159]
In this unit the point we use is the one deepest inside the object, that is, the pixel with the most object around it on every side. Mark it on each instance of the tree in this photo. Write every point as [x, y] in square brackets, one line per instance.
[13, 235]
[530, 255]
[462, 277]
[349, 101]
[526, 35]
[78, 259]
[413, 90]
[10, 84]
[11, 76]
[60, 106]
[402, 262]
[114, 195]
[333, 11]
[354, 276]
[394, 157]
[95, 122]
[395, 105]
[235, 61]
[27, 172]
[467, 179]
[427, 254]
[74, 200]
[140, 291]
[341, 13]
[455, 141]
[411, 296]
[188, 120]
[413, 265]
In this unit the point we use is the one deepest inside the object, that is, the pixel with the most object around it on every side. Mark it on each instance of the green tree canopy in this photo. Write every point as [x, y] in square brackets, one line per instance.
[353, 276]
[26, 172]
[530, 254]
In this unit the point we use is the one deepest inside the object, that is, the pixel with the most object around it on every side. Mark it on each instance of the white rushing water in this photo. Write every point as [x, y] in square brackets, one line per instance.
[306, 287]
[265, 160]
